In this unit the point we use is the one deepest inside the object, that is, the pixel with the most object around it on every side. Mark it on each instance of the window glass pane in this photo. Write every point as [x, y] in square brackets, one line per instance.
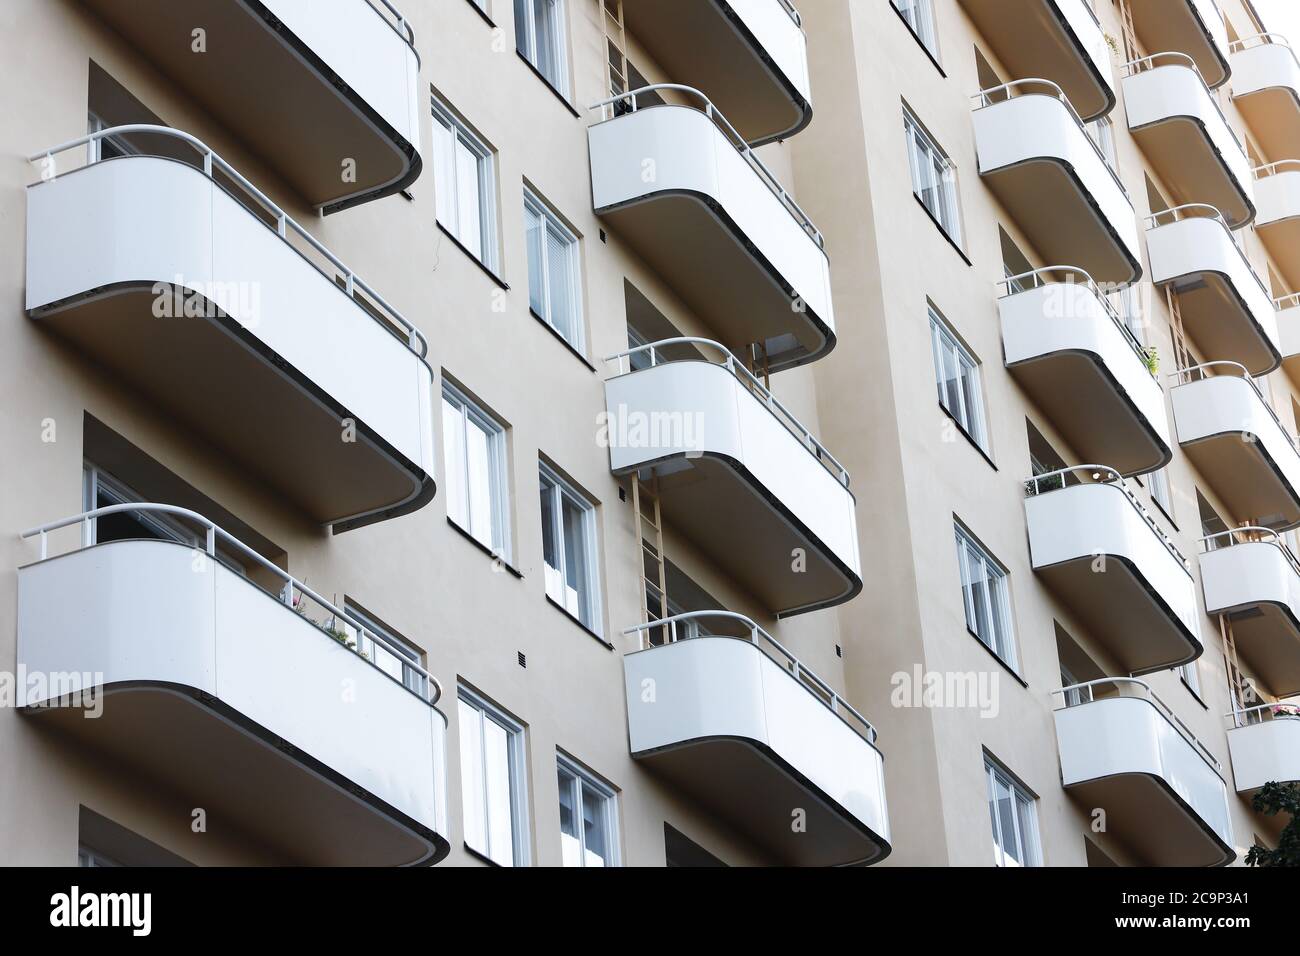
[453, 440]
[575, 560]
[470, 227]
[471, 776]
[523, 29]
[496, 750]
[478, 444]
[536, 267]
[569, 843]
[593, 826]
[444, 173]
[546, 32]
[559, 265]
[1005, 802]
[550, 551]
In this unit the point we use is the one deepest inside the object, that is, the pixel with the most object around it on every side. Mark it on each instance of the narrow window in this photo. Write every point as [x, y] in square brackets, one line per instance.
[463, 180]
[919, 16]
[475, 465]
[934, 178]
[492, 781]
[957, 373]
[539, 37]
[1015, 823]
[569, 548]
[553, 271]
[986, 597]
[588, 818]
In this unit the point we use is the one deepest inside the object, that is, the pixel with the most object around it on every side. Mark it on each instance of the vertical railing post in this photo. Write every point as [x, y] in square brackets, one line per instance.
[212, 541]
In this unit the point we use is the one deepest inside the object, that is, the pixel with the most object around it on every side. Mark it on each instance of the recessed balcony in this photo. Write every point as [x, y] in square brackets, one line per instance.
[327, 94]
[1105, 557]
[1251, 575]
[1125, 752]
[1060, 40]
[1224, 306]
[1049, 174]
[1235, 440]
[1277, 194]
[1265, 746]
[1078, 361]
[750, 55]
[737, 473]
[231, 694]
[1193, 27]
[741, 726]
[1178, 124]
[1266, 88]
[678, 185]
[232, 318]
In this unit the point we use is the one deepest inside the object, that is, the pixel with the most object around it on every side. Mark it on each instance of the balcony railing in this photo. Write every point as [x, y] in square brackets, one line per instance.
[1174, 58]
[1202, 372]
[1263, 713]
[1249, 534]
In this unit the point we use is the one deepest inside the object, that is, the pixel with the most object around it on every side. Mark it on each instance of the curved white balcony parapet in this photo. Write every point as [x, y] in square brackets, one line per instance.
[1163, 792]
[1077, 359]
[1060, 40]
[1266, 88]
[301, 373]
[681, 186]
[229, 694]
[1277, 193]
[1288, 330]
[739, 724]
[1251, 575]
[1041, 163]
[1233, 436]
[1264, 746]
[326, 91]
[750, 55]
[1195, 28]
[738, 474]
[1182, 130]
[1224, 305]
[1106, 557]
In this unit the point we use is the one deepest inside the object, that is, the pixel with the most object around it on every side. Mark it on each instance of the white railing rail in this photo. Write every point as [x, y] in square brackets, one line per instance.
[1249, 534]
[290, 594]
[284, 223]
[795, 15]
[1287, 301]
[1058, 480]
[608, 111]
[1200, 210]
[766, 643]
[1080, 699]
[1155, 61]
[1277, 168]
[1201, 373]
[1259, 39]
[1258, 714]
[397, 22]
[750, 381]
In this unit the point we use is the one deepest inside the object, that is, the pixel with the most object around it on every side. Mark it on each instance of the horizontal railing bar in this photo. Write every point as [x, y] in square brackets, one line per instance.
[1181, 214]
[1272, 538]
[1133, 67]
[1184, 376]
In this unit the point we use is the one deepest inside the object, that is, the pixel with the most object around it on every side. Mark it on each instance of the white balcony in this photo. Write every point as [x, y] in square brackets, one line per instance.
[1225, 308]
[1265, 746]
[1163, 793]
[1106, 558]
[1193, 27]
[311, 86]
[1178, 124]
[1059, 40]
[1072, 353]
[1277, 194]
[1251, 575]
[1049, 174]
[1235, 440]
[292, 366]
[705, 213]
[741, 726]
[751, 56]
[1266, 88]
[738, 474]
[1288, 330]
[220, 691]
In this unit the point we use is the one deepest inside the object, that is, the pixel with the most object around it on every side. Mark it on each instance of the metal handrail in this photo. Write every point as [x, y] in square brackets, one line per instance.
[750, 380]
[1238, 715]
[212, 533]
[985, 100]
[1273, 169]
[738, 141]
[1183, 213]
[1267, 38]
[1287, 301]
[1268, 536]
[415, 339]
[1146, 63]
[1196, 373]
[795, 15]
[401, 28]
[1089, 283]
[1160, 705]
[818, 687]
[1104, 475]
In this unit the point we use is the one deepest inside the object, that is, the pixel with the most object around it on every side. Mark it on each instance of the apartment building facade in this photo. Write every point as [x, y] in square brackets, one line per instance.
[485, 433]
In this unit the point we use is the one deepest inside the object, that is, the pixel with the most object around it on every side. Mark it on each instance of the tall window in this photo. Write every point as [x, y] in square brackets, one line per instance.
[396, 657]
[553, 271]
[463, 178]
[492, 781]
[934, 179]
[919, 15]
[539, 36]
[1102, 132]
[986, 597]
[1015, 824]
[474, 446]
[569, 548]
[958, 376]
[1160, 494]
[588, 818]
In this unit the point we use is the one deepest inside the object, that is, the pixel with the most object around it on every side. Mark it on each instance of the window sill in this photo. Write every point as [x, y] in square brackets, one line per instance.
[488, 20]
[924, 49]
[942, 231]
[994, 654]
[565, 611]
[562, 340]
[473, 258]
[547, 83]
[482, 857]
[1191, 690]
[967, 435]
[484, 548]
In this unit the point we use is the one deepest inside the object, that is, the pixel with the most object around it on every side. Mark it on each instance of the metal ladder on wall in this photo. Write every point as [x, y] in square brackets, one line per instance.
[1131, 49]
[654, 573]
[615, 45]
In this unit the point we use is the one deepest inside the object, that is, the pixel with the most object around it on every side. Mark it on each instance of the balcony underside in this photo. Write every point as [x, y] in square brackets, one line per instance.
[1282, 239]
[1273, 115]
[1192, 166]
[1250, 483]
[1267, 635]
[1175, 25]
[1221, 322]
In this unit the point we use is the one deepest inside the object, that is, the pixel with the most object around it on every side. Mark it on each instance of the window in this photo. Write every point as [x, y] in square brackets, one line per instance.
[539, 37]
[1102, 132]
[934, 179]
[106, 147]
[1015, 826]
[588, 824]
[986, 597]
[463, 179]
[569, 548]
[397, 658]
[958, 377]
[1160, 494]
[90, 858]
[1192, 675]
[919, 15]
[492, 781]
[474, 453]
[553, 273]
